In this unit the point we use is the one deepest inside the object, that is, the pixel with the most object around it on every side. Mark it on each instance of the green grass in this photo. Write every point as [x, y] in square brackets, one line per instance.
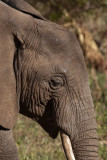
[103, 151]
[99, 93]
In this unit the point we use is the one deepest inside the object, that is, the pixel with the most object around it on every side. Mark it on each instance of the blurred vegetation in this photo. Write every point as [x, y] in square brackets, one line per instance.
[88, 20]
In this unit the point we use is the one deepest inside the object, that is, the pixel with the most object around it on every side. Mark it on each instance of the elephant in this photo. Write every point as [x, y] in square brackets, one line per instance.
[43, 76]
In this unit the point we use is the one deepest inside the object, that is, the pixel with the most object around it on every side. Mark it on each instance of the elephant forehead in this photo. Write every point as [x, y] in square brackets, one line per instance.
[59, 49]
[57, 41]
[54, 42]
[62, 54]
[66, 66]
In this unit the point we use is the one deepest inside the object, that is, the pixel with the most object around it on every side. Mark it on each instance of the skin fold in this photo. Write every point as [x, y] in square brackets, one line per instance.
[43, 76]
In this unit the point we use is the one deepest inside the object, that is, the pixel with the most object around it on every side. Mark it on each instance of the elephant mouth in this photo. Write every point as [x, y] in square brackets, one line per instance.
[53, 131]
[66, 143]
[51, 128]
[53, 134]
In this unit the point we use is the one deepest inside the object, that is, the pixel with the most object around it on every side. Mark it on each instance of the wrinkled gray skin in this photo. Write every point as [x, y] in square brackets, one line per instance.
[43, 76]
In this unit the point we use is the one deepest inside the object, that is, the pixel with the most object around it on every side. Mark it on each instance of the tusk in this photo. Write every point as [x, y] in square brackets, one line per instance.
[67, 146]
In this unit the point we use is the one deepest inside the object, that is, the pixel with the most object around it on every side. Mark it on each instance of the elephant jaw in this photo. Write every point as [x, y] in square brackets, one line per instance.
[66, 142]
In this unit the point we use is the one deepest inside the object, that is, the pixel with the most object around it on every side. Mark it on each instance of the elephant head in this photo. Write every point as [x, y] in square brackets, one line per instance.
[44, 77]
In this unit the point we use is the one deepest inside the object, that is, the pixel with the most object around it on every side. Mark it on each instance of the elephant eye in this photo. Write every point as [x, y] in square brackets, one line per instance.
[56, 83]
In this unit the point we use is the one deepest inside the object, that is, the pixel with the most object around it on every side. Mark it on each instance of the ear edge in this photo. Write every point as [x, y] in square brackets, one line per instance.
[24, 7]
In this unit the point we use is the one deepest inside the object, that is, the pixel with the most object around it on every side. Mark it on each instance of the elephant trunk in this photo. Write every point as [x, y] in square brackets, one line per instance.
[85, 140]
[85, 147]
[85, 144]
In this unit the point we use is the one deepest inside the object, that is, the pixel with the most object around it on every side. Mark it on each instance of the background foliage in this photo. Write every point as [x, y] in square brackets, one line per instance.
[88, 20]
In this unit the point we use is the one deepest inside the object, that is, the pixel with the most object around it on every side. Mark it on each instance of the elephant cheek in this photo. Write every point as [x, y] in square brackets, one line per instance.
[65, 117]
[85, 141]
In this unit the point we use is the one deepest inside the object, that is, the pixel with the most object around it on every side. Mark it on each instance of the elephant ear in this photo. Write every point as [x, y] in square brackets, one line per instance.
[23, 6]
[15, 31]
[8, 99]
